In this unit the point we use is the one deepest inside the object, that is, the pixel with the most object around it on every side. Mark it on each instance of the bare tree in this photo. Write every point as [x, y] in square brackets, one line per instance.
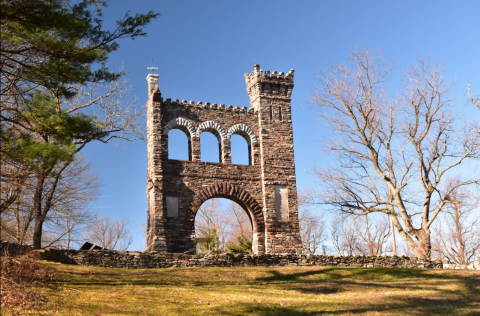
[343, 236]
[360, 235]
[398, 155]
[240, 232]
[312, 226]
[70, 215]
[211, 222]
[457, 238]
[66, 228]
[16, 217]
[75, 189]
[372, 235]
[238, 222]
[312, 231]
[475, 100]
[15, 178]
[108, 234]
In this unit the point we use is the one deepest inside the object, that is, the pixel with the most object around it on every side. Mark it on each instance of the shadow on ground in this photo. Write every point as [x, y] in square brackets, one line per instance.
[426, 292]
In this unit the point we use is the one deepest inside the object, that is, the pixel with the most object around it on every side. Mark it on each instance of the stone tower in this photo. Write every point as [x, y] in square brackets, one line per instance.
[265, 189]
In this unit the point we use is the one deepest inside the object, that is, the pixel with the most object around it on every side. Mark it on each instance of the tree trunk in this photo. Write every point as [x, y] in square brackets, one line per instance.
[37, 232]
[37, 209]
[394, 243]
[423, 250]
[68, 234]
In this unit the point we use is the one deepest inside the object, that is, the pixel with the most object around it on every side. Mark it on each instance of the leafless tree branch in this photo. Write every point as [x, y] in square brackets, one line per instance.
[396, 154]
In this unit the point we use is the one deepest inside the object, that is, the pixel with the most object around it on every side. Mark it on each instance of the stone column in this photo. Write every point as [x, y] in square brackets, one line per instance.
[226, 152]
[195, 144]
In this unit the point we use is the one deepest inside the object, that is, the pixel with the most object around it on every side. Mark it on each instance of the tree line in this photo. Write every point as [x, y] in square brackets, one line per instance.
[455, 236]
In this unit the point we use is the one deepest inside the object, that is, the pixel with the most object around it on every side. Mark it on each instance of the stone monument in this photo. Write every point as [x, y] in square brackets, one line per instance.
[265, 189]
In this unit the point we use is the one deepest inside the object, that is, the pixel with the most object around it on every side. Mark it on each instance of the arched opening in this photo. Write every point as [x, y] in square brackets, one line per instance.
[237, 144]
[178, 145]
[209, 147]
[243, 198]
[240, 150]
[222, 225]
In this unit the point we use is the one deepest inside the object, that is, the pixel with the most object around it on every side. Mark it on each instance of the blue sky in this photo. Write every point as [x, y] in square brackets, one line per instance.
[203, 48]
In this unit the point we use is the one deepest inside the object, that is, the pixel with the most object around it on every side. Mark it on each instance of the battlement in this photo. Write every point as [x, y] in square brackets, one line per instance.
[156, 96]
[269, 84]
[208, 105]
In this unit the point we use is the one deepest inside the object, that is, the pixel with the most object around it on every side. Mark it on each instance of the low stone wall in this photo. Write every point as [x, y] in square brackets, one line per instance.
[13, 249]
[140, 260]
[453, 266]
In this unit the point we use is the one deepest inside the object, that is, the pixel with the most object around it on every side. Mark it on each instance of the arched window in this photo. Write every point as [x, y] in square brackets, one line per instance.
[178, 145]
[209, 147]
[248, 135]
[189, 131]
[225, 224]
[240, 150]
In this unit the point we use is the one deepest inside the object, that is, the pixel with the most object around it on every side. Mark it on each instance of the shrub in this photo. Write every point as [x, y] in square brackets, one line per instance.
[17, 275]
[243, 245]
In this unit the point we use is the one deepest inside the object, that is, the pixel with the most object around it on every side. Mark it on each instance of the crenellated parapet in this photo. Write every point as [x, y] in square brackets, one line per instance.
[207, 105]
[277, 85]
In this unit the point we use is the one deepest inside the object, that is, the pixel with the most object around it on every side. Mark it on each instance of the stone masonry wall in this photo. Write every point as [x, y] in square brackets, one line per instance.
[184, 185]
[141, 260]
[13, 249]
[270, 94]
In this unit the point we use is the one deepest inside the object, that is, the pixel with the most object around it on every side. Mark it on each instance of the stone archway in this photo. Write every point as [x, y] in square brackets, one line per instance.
[266, 188]
[242, 198]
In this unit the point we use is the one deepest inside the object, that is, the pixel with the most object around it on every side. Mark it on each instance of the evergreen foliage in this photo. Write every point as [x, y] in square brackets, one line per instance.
[50, 51]
[243, 245]
[55, 43]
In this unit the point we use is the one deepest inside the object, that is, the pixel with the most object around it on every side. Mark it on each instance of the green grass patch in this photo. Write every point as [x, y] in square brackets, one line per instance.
[260, 291]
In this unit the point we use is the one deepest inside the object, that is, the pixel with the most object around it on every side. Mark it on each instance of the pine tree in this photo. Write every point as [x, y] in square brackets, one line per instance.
[53, 70]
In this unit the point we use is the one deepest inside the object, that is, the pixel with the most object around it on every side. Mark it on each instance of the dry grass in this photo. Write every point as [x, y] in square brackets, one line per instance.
[261, 291]
[19, 275]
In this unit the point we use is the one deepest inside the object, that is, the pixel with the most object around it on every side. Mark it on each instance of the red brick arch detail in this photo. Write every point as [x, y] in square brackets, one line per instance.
[234, 193]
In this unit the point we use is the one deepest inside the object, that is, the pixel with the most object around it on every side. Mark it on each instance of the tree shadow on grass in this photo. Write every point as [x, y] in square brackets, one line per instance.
[464, 296]
[314, 285]
[371, 277]
[470, 282]
[418, 306]
[395, 305]
[459, 300]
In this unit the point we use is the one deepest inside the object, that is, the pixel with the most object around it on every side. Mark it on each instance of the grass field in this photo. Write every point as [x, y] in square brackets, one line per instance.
[260, 291]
